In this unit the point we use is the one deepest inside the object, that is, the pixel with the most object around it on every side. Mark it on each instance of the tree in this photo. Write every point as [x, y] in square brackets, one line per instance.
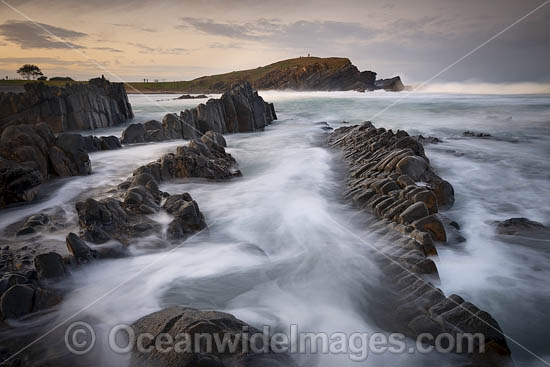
[29, 71]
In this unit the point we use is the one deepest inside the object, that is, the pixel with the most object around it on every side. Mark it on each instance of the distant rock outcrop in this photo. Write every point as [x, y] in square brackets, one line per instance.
[240, 109]
[303, 74]
[392, 84]
[96, 104]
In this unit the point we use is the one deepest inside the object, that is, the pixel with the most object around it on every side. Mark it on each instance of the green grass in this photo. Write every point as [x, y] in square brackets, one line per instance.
[211, 83]
[220, 82]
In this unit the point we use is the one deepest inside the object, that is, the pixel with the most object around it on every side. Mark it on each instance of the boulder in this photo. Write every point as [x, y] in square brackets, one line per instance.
[520, 227]
[134, 133]
[50, 266]
[110, 143]
[413, 213]
[433, 225]
[30, 154]
[412, 166]
[188, 218]
[17, 301]
[79, 249]
[213, 137]
[217, 325]
[18, 182]
[33, 224]
[173, 125]
[444, 193]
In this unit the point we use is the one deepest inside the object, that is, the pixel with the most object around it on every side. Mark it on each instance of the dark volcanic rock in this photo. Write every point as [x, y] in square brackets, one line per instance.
[473, 134]
[74, 107]
[188, 219]
[188, 96]
[392, 84]
[219, 325]
[520, 226]
[50, 266]
[240, 109]
[30, 154]
[79, 249]
[390, 173]
[196, 159]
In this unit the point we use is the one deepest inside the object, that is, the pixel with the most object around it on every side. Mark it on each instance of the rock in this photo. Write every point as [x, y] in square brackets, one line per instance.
[30, 154]
[413, 213]
[428, 198]
[79, 249]
[476, 135]
[110, 143]
[405, 181]
[412, 166]
[218, 325]
[433, 225]
[173, 125]
[211, 136]
[392, 84]
[50, 266]
[17, 301]
[188, 218]
[444, 193]
[103, 220]
[194, 160]
[519, 226]
[77, 106]
[426, 140]
[188, 96]
[17, 182]
[74, 148]
[33, 224]
[134, 133]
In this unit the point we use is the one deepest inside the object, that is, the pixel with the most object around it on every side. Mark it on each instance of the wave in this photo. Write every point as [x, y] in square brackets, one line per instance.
[486, 88]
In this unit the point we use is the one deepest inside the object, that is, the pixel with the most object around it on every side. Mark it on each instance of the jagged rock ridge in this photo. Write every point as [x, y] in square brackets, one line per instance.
[96, 104]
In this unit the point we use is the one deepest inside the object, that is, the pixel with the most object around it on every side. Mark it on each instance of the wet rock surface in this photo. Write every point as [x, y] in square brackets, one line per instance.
[31, 154]
[189, 321]
[391, 175]
[240, 109]
[521, 227]
[96, 104]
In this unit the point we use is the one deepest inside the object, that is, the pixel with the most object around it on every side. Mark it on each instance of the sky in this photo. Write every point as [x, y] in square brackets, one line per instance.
[183, 39]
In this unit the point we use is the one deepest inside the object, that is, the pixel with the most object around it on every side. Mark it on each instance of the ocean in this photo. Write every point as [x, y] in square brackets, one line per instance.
[283, 247]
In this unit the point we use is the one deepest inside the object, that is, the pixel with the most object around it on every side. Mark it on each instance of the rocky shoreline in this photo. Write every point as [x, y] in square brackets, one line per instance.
[391, 176]
[97, 104]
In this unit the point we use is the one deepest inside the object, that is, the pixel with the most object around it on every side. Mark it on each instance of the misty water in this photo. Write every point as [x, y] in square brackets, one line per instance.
[283, 247]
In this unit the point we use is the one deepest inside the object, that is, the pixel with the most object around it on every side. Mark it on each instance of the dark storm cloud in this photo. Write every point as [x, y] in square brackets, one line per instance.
[39, 35]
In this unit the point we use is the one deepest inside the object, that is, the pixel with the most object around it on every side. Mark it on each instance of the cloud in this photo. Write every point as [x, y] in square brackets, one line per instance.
[298, 34]
[28, 34]
[225, 45]
[110, 49]
[135, 27]
[35, 60]
[159, 50]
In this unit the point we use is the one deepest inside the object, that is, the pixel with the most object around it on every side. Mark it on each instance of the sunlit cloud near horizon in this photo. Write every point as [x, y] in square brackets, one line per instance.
[136, 40]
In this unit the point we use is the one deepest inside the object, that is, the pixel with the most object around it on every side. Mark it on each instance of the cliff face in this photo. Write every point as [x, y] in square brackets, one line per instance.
[75, 107]
[304, 73]
[317, 76]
